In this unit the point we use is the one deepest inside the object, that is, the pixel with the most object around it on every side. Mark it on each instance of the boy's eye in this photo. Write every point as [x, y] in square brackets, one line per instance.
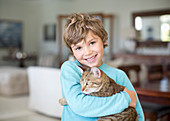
[78, 48]
[92, 43]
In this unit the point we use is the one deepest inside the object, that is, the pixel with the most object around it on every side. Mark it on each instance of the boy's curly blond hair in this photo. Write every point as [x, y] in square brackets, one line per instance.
[78, 25]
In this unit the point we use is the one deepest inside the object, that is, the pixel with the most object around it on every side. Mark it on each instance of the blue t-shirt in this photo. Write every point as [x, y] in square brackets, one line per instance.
[83, 107]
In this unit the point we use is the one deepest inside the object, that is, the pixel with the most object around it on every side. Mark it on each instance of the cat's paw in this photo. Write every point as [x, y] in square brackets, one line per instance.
[63, 101]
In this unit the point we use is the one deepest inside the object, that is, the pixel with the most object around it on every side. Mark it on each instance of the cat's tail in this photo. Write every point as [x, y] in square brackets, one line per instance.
[129, 114]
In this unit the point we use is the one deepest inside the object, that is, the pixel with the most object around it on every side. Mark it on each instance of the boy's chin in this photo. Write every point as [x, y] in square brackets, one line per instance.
[92, 65]
[86, 64]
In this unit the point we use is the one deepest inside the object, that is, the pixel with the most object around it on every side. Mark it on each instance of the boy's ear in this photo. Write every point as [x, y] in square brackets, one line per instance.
[105, 43]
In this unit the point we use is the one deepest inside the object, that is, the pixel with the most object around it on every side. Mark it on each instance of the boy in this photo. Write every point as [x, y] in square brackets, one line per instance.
[86, 38]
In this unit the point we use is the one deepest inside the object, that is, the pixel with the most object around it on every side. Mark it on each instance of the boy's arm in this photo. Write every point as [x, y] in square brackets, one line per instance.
[84, 105]
[126, 82]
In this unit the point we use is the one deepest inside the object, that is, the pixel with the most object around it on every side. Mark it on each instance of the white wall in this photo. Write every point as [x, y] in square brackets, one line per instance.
[35, 13]
[122, 9]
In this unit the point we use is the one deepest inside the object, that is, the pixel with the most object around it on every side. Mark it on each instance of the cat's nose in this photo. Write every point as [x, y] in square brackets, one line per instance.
[82, 89]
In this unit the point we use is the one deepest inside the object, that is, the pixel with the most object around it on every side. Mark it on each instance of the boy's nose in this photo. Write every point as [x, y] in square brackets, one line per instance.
[87, 51]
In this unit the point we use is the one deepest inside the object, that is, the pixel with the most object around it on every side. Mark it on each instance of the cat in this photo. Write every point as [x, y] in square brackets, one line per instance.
[96, 83]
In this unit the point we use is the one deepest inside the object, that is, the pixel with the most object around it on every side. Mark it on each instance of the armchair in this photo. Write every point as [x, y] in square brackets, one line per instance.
[45, 90]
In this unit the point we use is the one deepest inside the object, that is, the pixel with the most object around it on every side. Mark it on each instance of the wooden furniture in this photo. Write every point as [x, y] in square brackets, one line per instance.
[156, 92]
[151, 44]
[103, 16]
[147, 60]
[128, 68]
[155, 72]
[167, 70]
[21, 60]
[157, 96]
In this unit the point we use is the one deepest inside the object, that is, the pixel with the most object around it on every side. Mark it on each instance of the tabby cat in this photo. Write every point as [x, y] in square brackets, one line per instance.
[96, 83]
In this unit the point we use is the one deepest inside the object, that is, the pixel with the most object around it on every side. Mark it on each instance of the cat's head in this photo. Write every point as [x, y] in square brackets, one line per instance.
[91, 80]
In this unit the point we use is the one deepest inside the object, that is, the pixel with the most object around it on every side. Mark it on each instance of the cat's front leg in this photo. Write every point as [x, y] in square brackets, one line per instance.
[63, 101]
[104, 119]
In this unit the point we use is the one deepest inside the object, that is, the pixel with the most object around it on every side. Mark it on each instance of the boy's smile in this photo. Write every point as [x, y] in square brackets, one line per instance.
[91, 59]
[89, 51]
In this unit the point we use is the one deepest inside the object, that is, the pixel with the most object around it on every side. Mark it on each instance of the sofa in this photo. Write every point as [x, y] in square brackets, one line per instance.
[45, 90]
[13, 81]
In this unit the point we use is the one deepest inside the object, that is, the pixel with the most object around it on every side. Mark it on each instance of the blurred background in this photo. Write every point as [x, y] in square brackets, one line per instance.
[31, 42]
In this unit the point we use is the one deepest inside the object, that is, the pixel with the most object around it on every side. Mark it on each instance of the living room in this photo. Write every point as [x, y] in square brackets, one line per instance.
[37, 16]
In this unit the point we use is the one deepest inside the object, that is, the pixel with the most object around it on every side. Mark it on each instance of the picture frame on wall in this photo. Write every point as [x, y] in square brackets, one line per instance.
[50, 32]
[11, 33]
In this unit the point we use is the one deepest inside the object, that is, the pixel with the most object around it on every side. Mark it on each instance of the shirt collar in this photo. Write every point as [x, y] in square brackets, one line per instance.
[77, 62]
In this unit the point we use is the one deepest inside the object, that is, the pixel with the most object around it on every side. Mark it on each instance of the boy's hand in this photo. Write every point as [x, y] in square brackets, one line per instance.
[132, 97]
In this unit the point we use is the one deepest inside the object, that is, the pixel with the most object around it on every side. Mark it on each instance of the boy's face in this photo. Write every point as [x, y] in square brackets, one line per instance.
[89, 51]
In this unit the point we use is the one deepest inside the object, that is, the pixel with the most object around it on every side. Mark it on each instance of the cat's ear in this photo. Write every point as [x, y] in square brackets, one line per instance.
[83, 68]
[96, 71]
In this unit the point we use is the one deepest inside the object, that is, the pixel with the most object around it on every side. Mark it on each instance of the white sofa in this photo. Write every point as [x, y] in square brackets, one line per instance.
[45, 90]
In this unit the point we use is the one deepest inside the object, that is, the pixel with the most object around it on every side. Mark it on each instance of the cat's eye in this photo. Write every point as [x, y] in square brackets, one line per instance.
[88, 83]
[95, 83]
